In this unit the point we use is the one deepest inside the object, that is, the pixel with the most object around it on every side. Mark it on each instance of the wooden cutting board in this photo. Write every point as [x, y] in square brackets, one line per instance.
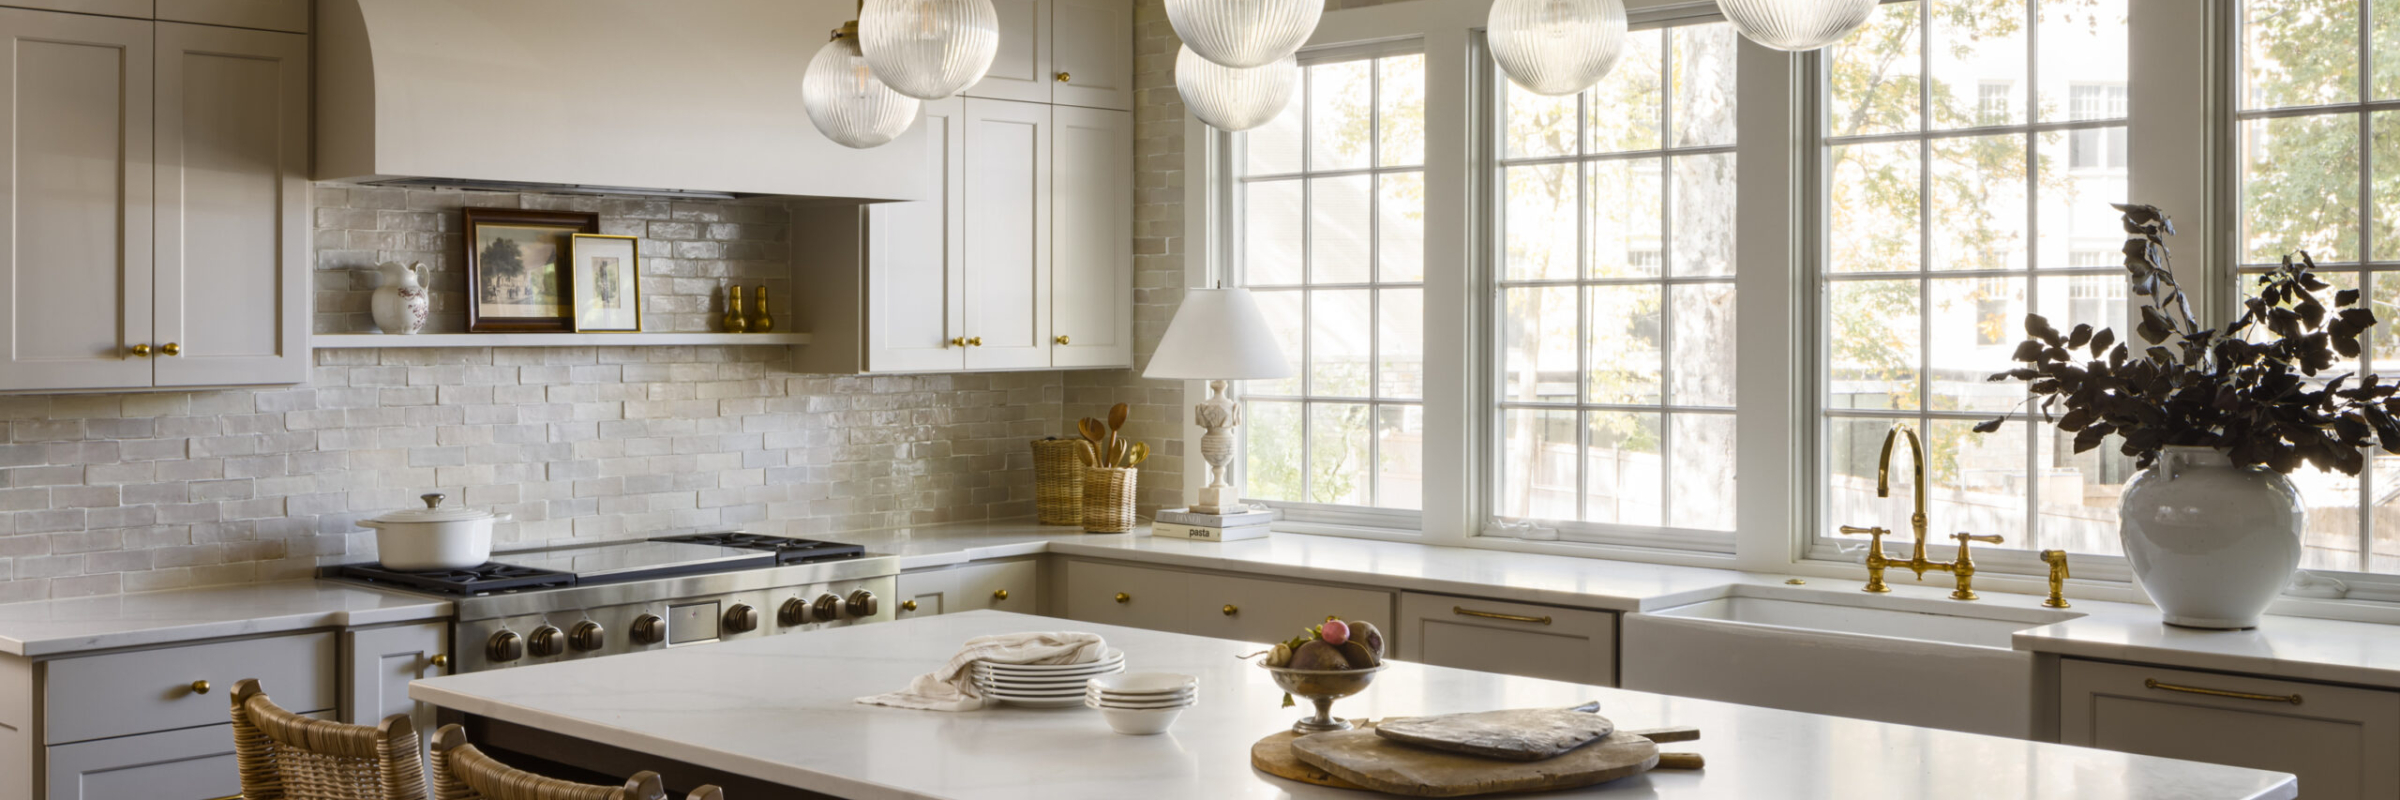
[1519, 734]
[1273, 756]
[1362, 758]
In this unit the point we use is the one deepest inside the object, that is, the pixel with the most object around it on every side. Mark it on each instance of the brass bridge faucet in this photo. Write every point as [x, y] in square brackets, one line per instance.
[1878, 561]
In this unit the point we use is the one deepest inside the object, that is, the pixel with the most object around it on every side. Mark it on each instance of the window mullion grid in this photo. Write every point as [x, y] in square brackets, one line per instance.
[1925, 228]
[1373, 467]
[1308, 157]
[2032, 534]
[1666, 261]
[1583, 311]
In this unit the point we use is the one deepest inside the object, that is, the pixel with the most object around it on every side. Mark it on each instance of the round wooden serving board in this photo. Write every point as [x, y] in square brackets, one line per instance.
[1273, 756]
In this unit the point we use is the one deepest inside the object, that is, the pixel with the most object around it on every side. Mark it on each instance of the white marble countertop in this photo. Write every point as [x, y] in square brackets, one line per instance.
[55, 627]
[2295, 648]
[737, 707]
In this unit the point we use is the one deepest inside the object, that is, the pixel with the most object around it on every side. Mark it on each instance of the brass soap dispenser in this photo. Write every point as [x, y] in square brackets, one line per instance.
[760, 320]
[734, 322]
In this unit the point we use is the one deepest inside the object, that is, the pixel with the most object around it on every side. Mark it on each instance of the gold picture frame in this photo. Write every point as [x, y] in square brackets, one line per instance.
[607, 282]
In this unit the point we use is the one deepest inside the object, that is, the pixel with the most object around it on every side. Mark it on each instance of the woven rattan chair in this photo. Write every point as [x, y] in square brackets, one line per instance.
[461, 772]
[285, 756]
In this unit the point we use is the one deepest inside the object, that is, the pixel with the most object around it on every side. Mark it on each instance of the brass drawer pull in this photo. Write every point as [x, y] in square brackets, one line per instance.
[140, 350]
[199, 687]
[908, 605]
[2152, 683]
[441, 659]
[1124, 598]
[1467, 612]
[1000, 594]
[1231, 609]
[170, 349]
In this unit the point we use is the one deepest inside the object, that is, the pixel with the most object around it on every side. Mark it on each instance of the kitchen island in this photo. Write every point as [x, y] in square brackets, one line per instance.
[776, 715]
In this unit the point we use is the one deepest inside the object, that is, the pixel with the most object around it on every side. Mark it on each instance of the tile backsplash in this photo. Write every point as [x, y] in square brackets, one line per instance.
[108, 493]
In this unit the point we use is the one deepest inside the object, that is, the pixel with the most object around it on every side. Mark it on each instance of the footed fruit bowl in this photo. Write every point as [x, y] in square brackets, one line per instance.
[1322, 687]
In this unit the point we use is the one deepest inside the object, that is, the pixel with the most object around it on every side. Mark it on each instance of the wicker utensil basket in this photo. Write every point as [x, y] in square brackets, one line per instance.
[1108, 499]
[1057, 482]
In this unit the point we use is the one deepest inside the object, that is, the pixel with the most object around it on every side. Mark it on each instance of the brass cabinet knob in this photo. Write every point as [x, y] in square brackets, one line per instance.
[441, 660]
[1124, 598]
[199, 687]
[958, 341]
[1000, 595]
[140, 350]
[908, 605]
[170, 349]
[1062, 339]
[1231, 609]
[975, 340]
[1064, 77]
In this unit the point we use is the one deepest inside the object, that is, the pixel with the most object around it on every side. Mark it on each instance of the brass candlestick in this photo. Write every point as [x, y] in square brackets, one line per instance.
[760, 320]
[734, 322]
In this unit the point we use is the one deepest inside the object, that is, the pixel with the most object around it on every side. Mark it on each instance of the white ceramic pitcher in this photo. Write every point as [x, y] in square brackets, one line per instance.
[402, 303]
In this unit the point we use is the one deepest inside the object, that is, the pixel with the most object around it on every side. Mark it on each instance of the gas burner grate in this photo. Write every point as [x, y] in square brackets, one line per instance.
[487, 579]
[787, 550]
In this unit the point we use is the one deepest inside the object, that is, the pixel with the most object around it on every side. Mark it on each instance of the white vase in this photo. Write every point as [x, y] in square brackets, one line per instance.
[401, 304]
[2212, 543]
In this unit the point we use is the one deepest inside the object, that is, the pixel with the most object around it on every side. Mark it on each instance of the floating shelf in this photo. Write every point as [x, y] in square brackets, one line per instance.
[375, 340]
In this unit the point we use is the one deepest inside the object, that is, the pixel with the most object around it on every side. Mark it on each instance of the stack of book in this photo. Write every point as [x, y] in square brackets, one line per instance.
[1183, 523]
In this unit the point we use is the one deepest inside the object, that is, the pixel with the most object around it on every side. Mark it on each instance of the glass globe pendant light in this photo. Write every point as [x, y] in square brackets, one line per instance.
[1230, 99]
[1797, 25]
[929, 49]
[1557, 47]
[1244, 33]
[847, 102]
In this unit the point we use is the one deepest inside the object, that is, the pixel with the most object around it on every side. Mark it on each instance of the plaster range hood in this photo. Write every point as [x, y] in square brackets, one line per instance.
[626, 97]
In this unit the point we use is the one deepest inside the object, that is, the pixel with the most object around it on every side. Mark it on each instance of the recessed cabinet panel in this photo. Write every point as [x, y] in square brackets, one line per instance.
[1008, 235]
[1566, 644]
[232, 138]
[1091, 266]
[75, 279]
[916, 258]
[2344, 743]
[1091, 53]
[140, 9]
[1006, 586]
[379, 663]
[194, 764]
[930, 591]
[1021, 70]
[273, 15]
[1131, 596]
[116, 694]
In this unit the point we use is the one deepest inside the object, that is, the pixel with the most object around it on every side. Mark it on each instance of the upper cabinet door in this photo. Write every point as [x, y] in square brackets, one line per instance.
[272, 15]
[1008, 235]
[1021, 71]
[232, 218]
[1091, 53]
[75, 279]
[1091, 247]
[915, 259]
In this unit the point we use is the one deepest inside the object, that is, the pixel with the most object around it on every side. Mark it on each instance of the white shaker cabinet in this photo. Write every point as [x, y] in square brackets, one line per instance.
[1536, 641]
[379, 663]
[1091, 53]
[1012, 586]
[1008, 235]
[1021, 69]
[916, 259]
[2343, 742]
[156, 230]
[1091, 243]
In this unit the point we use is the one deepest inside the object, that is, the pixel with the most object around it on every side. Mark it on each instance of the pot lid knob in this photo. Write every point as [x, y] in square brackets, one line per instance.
[433, 500]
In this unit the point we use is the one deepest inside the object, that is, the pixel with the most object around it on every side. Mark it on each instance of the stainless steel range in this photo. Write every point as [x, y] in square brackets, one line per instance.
[587, 601]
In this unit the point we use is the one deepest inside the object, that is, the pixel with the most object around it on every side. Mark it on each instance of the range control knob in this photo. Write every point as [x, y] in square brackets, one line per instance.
[649, 629]
[828, 608]
[505, 646]
[741, 618]
[587, 636]
[545, 641]
[794, 612]
[861, 604]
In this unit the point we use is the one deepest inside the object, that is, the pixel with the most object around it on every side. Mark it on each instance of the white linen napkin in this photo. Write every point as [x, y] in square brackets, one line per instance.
[952, 688]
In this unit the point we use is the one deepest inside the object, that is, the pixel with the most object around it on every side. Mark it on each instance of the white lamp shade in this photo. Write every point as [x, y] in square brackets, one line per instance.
[1218, 335]
[1797, 25]
[1231, 99]
[1244, 33]
[1557, 47]
[929, 49]
[848, 103]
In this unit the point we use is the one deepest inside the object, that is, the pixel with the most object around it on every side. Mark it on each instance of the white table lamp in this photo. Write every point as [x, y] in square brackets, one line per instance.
[1218, 336]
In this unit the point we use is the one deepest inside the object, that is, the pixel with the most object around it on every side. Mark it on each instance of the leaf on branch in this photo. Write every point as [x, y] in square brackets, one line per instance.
[2345, 297]
[2079, 337]
[2101, 341]
[1990, 425]
[2039, 327]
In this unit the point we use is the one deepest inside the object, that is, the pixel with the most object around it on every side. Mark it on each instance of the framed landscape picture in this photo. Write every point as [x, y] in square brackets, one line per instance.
[608, 282]
[518, 274]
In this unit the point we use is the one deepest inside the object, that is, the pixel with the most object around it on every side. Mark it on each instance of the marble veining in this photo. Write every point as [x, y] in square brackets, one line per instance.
[54, 627]
[781, 709]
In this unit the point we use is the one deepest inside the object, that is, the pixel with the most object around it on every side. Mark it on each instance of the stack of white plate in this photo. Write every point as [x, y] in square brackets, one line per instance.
[1043, 685]
[1141, 703]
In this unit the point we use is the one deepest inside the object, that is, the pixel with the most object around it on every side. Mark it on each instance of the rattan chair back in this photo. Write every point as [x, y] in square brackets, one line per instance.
[285, 756]
[462, 772]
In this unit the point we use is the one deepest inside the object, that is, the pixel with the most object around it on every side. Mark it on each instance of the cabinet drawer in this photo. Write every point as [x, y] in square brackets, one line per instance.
[194, 764]
[1007, 586]
[922, 594]
[1272, 611]
[1130, 596]
[2341, 741]
[1567, 644]
[152, 690]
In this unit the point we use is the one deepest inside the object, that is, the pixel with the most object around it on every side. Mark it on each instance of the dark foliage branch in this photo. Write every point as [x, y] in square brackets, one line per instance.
[2260, 402]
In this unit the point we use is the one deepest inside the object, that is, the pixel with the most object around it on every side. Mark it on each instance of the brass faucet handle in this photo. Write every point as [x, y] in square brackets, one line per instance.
[1986, 538]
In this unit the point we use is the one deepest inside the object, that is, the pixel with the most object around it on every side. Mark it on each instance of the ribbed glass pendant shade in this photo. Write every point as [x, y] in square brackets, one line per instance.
[1797, 25]
[929, 49]
[1244, 33]
[1557, 47]
[847, 101]
[1234, 99]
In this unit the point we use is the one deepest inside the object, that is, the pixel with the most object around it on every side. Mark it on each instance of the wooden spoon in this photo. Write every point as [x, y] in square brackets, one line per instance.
[1116, 454]
[1092, 431]
[1083, 450]
[1116, 421]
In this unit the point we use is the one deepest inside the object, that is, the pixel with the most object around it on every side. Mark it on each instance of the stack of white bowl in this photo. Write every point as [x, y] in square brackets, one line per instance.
[1141, 703]
[1043, 685]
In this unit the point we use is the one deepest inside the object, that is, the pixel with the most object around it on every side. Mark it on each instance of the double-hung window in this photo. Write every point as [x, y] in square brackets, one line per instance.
[1330, 199]
[1614, 378]
[1946, 213]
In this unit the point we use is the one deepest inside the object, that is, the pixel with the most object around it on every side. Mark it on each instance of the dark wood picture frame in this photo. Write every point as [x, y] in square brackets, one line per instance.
[566, 224]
